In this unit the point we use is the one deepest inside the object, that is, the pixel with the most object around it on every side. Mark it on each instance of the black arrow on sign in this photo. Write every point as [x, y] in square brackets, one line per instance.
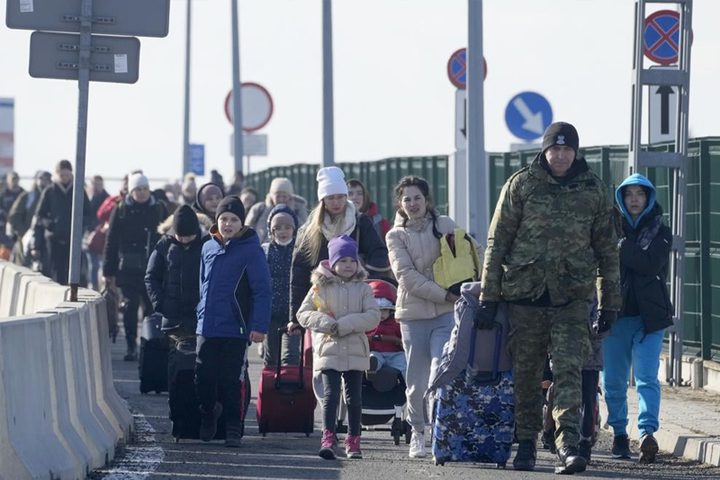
[463, 130]
[665, 93]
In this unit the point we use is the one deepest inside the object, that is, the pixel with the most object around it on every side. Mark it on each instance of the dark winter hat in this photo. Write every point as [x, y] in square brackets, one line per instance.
[185, 222]
[341, 247]
[231, 204]
[561, 133]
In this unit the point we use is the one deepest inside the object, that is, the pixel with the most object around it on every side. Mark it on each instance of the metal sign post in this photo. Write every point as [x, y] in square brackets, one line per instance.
[79, 179]
[237, 110]
[478, 169]
[186, 99]
[328, 101]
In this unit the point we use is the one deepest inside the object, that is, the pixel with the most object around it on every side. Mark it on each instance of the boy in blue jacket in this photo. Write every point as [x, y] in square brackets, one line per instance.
[234, 309]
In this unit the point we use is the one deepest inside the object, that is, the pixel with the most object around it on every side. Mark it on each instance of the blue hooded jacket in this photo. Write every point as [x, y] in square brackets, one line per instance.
[235, 292]
[636, 179]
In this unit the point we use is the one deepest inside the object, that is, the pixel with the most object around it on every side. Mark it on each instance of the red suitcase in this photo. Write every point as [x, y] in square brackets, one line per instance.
[286, 402]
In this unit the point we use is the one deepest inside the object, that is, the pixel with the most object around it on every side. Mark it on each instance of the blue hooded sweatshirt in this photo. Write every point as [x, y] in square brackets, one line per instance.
[636, 179]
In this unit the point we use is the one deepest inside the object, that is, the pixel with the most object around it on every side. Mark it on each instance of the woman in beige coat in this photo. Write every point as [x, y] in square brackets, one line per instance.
[424, 308]
[338, 310]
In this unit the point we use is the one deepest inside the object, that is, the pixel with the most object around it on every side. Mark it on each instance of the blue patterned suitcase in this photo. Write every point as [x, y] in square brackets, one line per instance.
[474, 415]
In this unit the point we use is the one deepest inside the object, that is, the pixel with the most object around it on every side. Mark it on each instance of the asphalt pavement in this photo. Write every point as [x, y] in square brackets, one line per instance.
[153, 454]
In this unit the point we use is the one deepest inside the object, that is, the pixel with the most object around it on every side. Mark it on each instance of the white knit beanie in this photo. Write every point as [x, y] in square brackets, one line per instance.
[331, 181]
[282, 184]
[137, 180]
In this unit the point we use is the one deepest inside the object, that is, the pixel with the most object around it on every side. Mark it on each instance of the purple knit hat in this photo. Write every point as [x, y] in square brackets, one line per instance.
[340, 247]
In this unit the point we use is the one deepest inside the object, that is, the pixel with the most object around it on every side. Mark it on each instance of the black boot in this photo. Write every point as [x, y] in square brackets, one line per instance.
[234, 433]
[131, 354]
[548, 440]
[525, 456]
[208, 422]
[648, 449]
[621, 447]
[569, 461]
[585, 449]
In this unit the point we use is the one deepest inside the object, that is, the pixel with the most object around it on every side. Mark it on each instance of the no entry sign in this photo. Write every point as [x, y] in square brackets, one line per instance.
[457, 68]
[256, 104]
[661, 37]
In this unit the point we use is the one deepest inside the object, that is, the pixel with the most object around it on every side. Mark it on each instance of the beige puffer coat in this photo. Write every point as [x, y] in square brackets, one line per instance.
[338, 313]
[412, 250]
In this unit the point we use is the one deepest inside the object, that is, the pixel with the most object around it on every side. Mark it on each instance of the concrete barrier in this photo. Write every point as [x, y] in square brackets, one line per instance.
[60, 416]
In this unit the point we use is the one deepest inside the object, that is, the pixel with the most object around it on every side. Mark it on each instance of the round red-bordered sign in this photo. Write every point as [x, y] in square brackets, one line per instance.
[457, 68]
[257, 106]
[661, 37]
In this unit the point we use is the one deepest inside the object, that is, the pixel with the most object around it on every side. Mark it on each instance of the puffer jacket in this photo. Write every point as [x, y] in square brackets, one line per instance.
[338, 313]
[413, 249]
[235, 291]
[171, 280]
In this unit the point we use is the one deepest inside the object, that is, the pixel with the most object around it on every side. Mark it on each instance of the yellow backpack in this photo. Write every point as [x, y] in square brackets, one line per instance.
[458, 262]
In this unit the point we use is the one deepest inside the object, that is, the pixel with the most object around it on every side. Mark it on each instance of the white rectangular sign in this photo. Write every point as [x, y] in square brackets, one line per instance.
[254, 145]
[662, 118]
[7, 134]
[460, 120]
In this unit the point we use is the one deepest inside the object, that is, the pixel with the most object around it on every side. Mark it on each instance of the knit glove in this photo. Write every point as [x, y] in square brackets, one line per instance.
[604, 321]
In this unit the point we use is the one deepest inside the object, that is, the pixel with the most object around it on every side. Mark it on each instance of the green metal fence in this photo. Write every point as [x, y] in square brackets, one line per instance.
[701, 312]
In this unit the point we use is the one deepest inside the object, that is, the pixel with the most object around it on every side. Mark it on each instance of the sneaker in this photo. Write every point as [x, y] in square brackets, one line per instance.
[233, 435]
[585, 449]
[352, 446]
[621, 447]
[208, 422]
[525, 456]
[648, 448]
[569, 461]
[417, 445]
[327, 445]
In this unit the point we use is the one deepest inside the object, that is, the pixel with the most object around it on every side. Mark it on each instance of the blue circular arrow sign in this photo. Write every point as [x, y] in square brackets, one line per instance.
[527, 115]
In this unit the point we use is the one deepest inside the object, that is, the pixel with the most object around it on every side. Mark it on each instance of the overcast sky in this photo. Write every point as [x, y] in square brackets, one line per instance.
[392, 94]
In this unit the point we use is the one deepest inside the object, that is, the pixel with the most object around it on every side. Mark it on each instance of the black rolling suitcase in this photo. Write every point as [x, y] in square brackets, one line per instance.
[183, 402]
[153, 357]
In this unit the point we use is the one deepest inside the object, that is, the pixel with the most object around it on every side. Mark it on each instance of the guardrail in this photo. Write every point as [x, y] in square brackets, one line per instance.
[60, 416]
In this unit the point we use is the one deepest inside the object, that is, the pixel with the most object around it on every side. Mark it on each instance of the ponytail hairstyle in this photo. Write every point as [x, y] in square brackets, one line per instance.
[424, 187]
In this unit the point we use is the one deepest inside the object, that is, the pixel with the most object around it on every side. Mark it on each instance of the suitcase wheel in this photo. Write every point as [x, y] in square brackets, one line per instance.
[439, 463]
[177, 439]
[501, 465]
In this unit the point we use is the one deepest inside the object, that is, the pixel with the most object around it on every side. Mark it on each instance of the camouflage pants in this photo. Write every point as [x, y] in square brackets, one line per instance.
[562, 332]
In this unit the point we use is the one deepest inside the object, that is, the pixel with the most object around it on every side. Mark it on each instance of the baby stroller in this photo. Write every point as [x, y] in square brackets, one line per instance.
[383, 402]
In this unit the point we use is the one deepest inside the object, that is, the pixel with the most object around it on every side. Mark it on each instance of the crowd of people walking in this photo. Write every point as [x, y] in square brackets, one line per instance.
[583, 278]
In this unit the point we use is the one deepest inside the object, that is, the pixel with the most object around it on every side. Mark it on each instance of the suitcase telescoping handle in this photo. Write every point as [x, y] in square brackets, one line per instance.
[494, 377]
[278, 359]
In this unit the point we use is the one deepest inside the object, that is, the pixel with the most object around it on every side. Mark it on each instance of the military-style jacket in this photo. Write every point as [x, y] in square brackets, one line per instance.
[554, 236]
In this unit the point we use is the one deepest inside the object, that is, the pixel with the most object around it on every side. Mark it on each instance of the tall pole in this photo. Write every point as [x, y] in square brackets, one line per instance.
[76, 229]
[328, 108]
[186, 125]
[237, 111]
[478, 169]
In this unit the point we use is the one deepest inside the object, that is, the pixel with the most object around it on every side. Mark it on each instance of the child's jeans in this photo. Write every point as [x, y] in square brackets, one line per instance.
[218, 369]
[331, 399]
[395, 360]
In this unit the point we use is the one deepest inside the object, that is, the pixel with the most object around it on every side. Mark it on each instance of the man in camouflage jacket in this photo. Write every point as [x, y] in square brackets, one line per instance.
[551, 240]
